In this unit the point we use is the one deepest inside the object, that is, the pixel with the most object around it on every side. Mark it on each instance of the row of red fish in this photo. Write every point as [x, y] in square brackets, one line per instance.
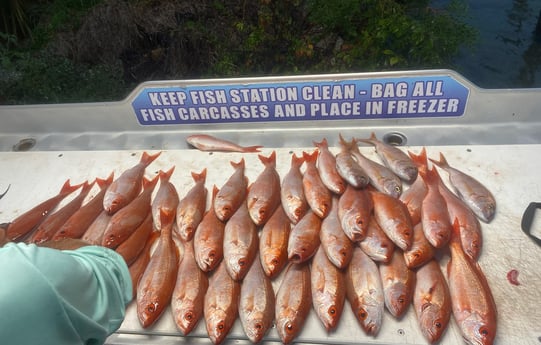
[341, 228]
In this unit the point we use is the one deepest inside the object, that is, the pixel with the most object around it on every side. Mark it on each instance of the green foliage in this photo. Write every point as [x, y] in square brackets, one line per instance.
[59, 15]
[388, 34]
[13, 17]
[230, 38]
[40, 78]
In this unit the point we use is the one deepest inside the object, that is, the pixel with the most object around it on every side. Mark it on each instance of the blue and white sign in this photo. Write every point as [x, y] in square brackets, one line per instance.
[406, 97]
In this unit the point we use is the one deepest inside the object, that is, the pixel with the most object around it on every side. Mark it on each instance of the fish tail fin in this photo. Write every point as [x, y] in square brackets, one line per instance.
[455, 235]
[372, 140]
[269, 161]
[343, 141]
[240, 165]
[310, 157]
[431, 177]
[255, 148]
[105, 182]
[215, 191]
[323, 144]
[166, 175]
[87, 186]
[421, 160]
[296, 161]
[147, 158]
[348, 145]
[150, 184]
[201, 177]
[167, 218]
[67, 188]
[442, 163]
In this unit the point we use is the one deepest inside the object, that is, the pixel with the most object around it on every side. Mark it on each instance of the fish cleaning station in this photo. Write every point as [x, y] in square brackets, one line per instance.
[492, 135]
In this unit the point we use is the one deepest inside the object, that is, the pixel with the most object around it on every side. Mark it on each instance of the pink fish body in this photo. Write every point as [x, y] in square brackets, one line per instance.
[334, 241]
[328, 284]
[365, 292]
[132, 247]
[264, 194]
[317, 195]
[421, 251]
[431, 301]
[208, 240]
[46, 230]
[398, 284]
[292, 191]
[478, 198]
[414, 195]
[191, 208]
[205, 142]
[127, 186]
[79, 222]
[94, 233]
[256, 303]
[241, 242]
[394, 158]
[381, 177]
[393, 218]
[434, 214]
[471, 236]
[156, 286]
[304, 238]
[232, 194]
[473, 305]
[348, 167]
[355, 208]
[166, 197]
[326, 165]
[377, 245]
[188, 296]
[124, 222]
[293, 302]
[23, 224]
[221, 306]
[273, 242]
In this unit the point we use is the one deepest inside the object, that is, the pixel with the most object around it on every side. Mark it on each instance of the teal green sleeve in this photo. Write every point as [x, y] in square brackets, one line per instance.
[57, 297]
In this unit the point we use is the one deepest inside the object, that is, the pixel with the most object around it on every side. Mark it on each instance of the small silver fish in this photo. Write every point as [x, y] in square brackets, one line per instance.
[380, 176]
[478, 198]
[348, 167]
[394, 158]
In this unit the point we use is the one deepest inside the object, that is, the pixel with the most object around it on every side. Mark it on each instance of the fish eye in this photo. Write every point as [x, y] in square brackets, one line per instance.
[220, 326]
[484, 331]
[332, 310]
[363, 314]
[188, 316]
[150, 308]
[397, 189]
[438, 324]
[289, 327]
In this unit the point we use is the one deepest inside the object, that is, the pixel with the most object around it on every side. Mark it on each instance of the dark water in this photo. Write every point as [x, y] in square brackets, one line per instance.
[507, 53]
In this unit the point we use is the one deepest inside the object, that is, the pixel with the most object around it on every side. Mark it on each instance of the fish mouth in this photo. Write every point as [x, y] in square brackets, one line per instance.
[371, 328]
